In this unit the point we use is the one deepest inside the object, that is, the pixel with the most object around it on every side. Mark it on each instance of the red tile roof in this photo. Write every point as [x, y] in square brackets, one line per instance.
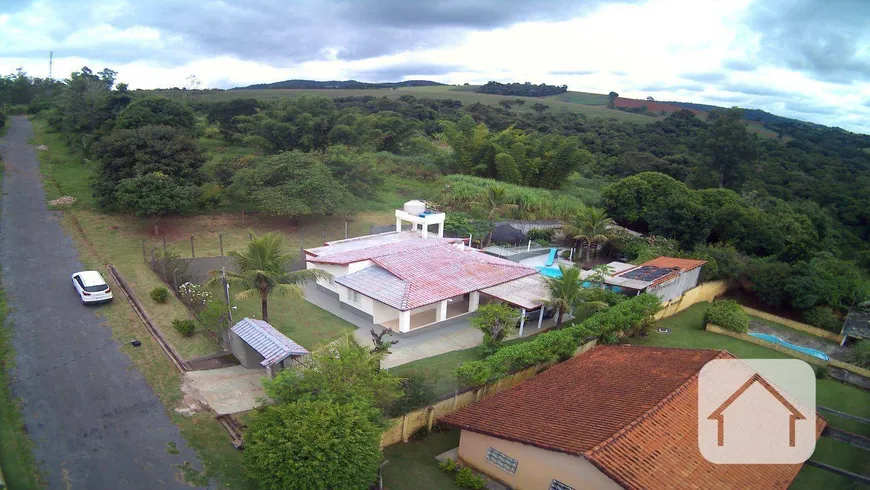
[431, 274]
[631, 411]
[661, 451]
[684, 265]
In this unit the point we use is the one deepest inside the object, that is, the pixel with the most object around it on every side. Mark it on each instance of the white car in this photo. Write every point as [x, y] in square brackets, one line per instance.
[91, 287]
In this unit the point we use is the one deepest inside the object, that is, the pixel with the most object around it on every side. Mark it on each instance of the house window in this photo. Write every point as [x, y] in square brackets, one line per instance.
[352, 296]
[557, 485]
[502, 460]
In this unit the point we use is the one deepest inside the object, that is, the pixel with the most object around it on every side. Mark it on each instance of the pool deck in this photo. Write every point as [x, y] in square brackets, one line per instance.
[832, 349]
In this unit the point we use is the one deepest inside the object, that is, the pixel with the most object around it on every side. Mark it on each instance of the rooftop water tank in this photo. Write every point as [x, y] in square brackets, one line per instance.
[415, 207]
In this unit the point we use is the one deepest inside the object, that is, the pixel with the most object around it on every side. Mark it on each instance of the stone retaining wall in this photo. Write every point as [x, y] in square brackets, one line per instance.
[803, 327]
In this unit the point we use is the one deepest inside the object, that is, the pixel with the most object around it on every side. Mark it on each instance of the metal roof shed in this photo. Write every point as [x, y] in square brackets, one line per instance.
[256, 342]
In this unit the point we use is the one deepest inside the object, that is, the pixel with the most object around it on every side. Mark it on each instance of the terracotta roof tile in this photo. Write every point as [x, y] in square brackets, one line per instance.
[684, 265]
[631, 411]
[580, 403]
[365, 248]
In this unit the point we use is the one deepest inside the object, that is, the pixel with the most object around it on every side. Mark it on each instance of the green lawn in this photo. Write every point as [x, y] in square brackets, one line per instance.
[441, 367]
[412, 466]
[687, 331]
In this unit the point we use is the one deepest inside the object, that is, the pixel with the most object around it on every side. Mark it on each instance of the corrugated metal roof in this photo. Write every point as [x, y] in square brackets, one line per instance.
[432, 274]
[273, 345]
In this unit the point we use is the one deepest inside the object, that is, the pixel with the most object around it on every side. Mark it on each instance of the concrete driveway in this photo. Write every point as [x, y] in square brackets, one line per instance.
[94, 420]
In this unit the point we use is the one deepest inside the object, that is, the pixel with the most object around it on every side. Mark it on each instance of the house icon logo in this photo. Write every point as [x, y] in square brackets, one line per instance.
[756, 411]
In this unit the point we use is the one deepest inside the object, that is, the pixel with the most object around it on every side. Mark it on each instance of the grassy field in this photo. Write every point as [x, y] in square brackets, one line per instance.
[412, 466]
[687, 331]
[567, 103]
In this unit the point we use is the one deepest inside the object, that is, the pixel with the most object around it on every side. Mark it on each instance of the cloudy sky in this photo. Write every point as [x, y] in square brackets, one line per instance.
[808, 59]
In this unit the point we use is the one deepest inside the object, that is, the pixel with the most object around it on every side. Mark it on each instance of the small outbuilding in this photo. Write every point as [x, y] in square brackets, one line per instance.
[257, 344]
[857, 325]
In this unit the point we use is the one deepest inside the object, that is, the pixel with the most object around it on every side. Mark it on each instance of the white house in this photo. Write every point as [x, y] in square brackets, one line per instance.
[413, 280]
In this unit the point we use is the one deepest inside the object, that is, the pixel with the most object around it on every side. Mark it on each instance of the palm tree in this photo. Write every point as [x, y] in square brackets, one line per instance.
[262, 269]
[590, 224]
[566, 294]
[497, 201]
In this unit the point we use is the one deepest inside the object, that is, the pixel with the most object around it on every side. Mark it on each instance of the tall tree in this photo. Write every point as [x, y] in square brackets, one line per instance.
[731, 148]
[262, 269]
[153, 195]
[156, 111]
[592, 225]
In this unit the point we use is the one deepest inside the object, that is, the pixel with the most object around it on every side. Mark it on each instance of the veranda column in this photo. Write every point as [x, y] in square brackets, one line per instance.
[441, 314]
[522, 320]
[473, 301]
[541, 318]
[404, 321]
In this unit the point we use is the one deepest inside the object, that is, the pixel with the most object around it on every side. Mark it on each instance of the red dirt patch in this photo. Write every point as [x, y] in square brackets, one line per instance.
[651, 105]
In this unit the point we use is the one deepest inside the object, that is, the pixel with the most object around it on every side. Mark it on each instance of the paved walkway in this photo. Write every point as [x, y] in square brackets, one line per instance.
[455, 337]
[93, 419]
[226, 390]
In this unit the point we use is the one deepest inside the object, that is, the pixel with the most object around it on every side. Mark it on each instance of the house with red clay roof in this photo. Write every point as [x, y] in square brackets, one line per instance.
[614, 417]
[413, 281]
[665, 277]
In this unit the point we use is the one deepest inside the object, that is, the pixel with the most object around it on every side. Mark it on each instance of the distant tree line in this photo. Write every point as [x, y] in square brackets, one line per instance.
[336, 84]
[522, 89]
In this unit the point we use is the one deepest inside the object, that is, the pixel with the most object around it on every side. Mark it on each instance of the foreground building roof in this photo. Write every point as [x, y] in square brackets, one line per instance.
[418, 276]
[273, 345]
[630, 411]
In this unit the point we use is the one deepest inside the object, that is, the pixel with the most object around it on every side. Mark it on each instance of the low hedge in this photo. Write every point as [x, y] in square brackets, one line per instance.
[558, 344]
[727, 314]
[824, 317]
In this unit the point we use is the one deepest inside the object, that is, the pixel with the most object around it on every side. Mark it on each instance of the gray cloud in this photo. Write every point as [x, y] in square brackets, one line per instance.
[692, 87]
[826, 40]
[399, 72]
[753, 89]
[810, 107]
[739, 65]
[705, 77]
[282, 33]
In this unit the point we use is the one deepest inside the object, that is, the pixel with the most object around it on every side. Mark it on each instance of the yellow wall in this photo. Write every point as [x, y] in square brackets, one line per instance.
[803, 327]
[707, 291]
[536, 468]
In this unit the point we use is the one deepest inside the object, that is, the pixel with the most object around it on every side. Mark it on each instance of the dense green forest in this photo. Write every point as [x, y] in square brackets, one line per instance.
[788, 219]
[527, 89]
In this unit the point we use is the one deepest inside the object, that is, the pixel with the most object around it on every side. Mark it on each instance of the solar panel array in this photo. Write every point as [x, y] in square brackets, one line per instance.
[647, 273]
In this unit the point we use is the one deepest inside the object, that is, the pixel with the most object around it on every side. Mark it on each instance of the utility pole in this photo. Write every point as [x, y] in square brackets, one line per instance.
[50, 63]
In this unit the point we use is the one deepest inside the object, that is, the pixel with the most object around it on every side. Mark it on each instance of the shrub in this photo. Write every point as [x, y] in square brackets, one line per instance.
[313, 444]
[824, 318]
[727, 314]
[194, 296]
[861, 354]
[627, 316]
[545, 234]
[211, 132]
[184, 327]
[448, 465]
[822, 372]
[160, 294]
[418, 390]
[465, 478]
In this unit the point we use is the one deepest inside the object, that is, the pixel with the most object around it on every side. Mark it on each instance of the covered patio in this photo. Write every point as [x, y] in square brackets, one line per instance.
[453, 308]
[526, 294]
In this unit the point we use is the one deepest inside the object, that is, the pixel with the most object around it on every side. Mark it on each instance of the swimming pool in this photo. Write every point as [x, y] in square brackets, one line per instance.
[555, 272]
[776, 340]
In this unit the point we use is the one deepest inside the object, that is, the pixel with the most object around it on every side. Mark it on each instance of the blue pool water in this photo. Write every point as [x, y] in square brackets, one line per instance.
[776, 340]
[555, 272]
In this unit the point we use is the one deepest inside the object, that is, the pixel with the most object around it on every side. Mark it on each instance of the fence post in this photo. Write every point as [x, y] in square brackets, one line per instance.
[221, 239]
[164, 246]
[227, 295]
[345, 230]
[152, 257]
[144, 255]
[174, 279]
[250, 236]
[302, 238]
[192, 254]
